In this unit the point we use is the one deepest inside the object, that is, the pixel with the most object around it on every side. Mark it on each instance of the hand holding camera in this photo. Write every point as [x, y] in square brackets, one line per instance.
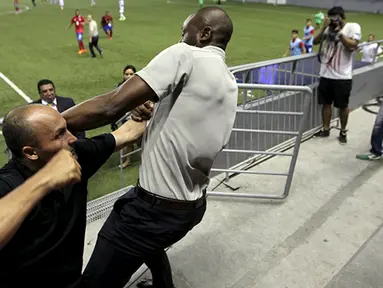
[336, 23]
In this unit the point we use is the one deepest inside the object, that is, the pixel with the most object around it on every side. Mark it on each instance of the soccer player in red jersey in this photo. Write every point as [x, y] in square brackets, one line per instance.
[107, 24]
[16, 3]
[79, 21]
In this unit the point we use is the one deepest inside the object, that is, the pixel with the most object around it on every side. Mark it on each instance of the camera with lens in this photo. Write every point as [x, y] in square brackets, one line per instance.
[334, 28]
[335, 23]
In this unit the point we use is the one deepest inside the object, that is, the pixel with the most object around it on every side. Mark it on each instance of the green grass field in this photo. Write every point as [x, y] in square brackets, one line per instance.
[35, 45]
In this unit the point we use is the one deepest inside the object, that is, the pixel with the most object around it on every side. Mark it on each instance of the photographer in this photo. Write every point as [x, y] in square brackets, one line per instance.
[341, 41]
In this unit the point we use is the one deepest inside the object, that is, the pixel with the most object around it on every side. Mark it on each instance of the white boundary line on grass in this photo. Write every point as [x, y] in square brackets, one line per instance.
[14, 87]
[23, 8]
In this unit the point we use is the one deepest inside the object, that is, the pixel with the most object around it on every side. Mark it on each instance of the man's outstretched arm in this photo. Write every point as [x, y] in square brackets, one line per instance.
[104, 109]
[128, 133]
[168, 70]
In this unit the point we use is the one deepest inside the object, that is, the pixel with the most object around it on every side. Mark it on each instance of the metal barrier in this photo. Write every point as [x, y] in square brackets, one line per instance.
[274, 128]
[294, 71]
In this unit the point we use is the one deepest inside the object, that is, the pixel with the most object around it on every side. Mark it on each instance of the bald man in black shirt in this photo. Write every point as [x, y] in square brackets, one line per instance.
[47, 249]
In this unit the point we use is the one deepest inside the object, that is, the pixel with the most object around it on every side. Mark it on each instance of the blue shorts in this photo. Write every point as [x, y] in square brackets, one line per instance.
[107, 28]
[79, 36]
[309, 48]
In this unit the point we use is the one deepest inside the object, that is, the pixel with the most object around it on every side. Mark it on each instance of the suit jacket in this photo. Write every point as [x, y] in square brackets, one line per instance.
[64, 103]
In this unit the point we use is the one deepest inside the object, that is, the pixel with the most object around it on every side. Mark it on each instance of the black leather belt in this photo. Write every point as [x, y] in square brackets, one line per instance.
[154, 199]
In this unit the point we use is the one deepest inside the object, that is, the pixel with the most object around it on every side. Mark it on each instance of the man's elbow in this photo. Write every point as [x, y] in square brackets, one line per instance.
[353, 47]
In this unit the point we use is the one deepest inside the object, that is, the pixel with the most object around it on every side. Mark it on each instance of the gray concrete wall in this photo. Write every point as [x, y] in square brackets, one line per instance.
[349, 5]
[373, 6]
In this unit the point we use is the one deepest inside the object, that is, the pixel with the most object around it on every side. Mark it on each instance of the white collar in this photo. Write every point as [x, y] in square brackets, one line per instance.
[46, 103]
[216, 50]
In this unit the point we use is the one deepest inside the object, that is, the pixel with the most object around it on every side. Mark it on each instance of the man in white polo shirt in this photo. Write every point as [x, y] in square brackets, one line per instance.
[93, 37]
[370, 52]
[336, 68]
[196, 100]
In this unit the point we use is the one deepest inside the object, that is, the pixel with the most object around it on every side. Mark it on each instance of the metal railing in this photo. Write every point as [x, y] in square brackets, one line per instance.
[297, 71]
[294, 132]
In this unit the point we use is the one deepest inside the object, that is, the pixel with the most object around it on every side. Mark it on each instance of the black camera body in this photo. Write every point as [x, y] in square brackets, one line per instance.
[334, 22]
[334, 28]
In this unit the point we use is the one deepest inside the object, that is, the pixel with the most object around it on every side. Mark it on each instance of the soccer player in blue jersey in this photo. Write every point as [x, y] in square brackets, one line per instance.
[296, 46]
[308, 37]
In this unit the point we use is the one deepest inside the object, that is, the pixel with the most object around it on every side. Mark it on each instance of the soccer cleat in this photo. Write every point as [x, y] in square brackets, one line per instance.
[368, 157]
[110, 38]
[122, 18]
[82, 51]
[79, 52]
[342, 138]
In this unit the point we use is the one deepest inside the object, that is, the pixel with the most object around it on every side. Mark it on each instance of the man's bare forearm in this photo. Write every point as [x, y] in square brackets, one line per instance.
[128, 133]
[16, 205]
[105, 109]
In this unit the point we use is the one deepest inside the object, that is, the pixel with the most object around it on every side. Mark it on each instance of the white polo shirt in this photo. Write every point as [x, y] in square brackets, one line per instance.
[340, 67]
[192, 121]
[370, 52]
[93, 30]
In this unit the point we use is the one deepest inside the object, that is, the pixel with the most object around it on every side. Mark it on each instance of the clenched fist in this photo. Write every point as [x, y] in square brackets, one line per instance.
[63, 170]
[143, 112]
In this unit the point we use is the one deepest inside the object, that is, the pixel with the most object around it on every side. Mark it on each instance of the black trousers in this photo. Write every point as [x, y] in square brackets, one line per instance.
[94, 44]
[137, 232]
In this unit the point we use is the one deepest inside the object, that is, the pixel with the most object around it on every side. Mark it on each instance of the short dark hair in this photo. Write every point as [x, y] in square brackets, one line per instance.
[307, 20]
[129, 67]
[17, 132]
[44, 82]
[337, 11]
[371, 34]
[295, 31]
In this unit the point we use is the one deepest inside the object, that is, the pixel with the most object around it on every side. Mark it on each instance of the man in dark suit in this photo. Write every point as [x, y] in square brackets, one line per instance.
[47, 92]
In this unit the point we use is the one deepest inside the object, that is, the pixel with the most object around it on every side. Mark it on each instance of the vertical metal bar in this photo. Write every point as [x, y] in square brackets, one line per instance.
[297, 144]
[246, 76]
[227, 160]
[122, 182]
[376, 53]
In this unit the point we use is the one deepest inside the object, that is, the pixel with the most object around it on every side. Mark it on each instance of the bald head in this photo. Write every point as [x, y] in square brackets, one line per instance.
[209, 26]
[18, 131]
[21, 126]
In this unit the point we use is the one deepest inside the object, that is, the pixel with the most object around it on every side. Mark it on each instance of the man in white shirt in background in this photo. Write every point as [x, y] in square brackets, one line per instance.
[93, 37]
[121, 4]
[370, 52]
[335, 82]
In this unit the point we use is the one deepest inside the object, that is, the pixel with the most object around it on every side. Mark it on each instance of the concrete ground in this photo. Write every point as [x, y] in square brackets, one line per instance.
[327, 233]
